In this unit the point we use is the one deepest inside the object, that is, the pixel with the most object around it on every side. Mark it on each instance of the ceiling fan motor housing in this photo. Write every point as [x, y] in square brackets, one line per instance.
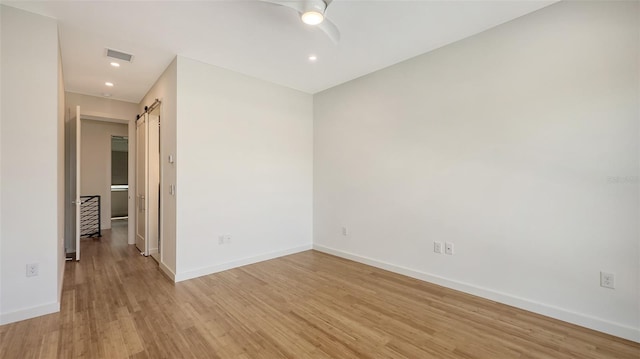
[318, 6]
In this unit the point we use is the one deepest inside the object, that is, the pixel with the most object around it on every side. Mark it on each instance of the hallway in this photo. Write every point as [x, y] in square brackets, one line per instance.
[100, 293]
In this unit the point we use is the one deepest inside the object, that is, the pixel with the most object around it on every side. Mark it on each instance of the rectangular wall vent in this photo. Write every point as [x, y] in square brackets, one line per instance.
[119, 55]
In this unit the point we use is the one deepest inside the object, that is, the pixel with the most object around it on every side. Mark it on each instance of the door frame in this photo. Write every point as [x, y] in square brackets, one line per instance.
[110, 170]
[131, 125]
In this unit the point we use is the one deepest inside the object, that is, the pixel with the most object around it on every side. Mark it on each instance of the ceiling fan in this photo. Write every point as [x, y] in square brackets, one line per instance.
[312, 12]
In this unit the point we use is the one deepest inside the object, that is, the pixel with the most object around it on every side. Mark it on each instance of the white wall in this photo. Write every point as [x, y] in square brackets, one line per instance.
[1, 154]
[30, 151]
[510, 144]
[165, 90]
[93, 107]
[245, 169]
[95, 162]
[61, 174]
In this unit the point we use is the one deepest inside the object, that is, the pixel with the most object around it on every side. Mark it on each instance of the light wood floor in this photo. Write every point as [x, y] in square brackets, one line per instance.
[116, 304]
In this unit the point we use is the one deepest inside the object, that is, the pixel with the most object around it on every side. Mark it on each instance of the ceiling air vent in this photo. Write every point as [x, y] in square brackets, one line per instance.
[119, 55]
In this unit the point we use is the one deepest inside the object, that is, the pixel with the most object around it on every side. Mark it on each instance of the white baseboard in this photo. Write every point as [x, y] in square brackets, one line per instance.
[6, 318]
[32, 312]
[61, 277]
[167, 271]
[61, 267]
[239, 263]
[583, 320]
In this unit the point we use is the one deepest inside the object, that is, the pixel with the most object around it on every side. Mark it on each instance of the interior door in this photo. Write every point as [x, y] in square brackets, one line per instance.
[153, 183]
[78, 203]
[142, 131]
[72, 185]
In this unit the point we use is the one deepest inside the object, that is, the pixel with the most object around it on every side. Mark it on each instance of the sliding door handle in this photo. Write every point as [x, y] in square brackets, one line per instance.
[141, 202]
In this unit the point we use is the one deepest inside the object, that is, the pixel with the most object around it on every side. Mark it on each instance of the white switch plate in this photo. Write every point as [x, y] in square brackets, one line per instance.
[345, 231]
[448, 248]
[437, 247]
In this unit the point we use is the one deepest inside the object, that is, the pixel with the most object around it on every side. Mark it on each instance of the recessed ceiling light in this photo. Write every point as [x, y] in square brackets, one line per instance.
[115, 64]
[313, 58]
[106, 94]
[110, 84]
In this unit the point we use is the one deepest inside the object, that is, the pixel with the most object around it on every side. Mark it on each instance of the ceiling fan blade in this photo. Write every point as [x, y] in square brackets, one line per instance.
[299, 6]
[330, 29]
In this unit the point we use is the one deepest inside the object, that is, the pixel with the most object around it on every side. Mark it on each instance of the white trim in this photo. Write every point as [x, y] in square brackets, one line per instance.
[131, 179]
[61, 273]
[563, 314]
[239, 263]
[23, 314]
[168, 271]
[104, 119]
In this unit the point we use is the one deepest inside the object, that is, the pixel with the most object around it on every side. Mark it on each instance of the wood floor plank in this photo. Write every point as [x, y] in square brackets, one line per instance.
[118, 304]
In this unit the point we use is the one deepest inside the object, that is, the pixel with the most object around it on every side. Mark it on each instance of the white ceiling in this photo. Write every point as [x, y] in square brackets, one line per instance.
[255, 38]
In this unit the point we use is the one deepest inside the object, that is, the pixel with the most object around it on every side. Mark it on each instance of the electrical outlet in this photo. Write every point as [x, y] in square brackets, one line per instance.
[32, 270]
[345, 231]
[227, 239]
[437, 247]
[220, 240]
[448, 248]
[607, 280]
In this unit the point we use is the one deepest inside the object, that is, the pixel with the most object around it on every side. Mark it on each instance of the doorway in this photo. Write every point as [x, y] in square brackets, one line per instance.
[119, 182]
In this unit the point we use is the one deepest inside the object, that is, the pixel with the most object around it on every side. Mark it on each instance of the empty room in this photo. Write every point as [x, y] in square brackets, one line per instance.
[320, 179]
